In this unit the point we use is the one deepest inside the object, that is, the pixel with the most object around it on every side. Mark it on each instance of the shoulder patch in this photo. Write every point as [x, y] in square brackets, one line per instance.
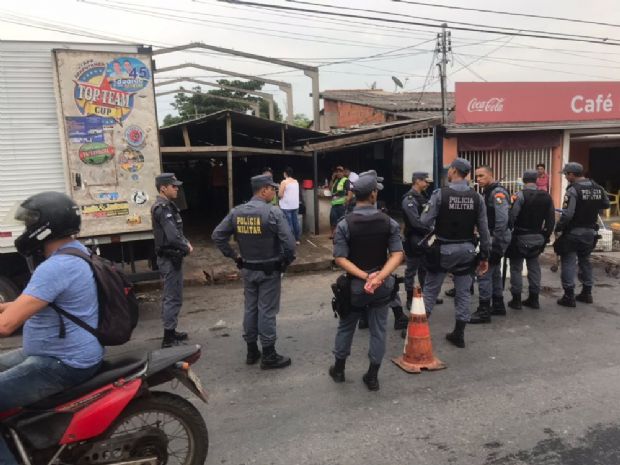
[426, 207]
[500, 195]
[565, 203]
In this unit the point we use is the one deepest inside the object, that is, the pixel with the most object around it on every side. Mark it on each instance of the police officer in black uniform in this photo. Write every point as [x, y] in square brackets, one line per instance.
[368, 247]
[490, 285]
[576, 232]
[412, 204]
[170, 246]
[532, 219]
[455, 211]
[267, 247]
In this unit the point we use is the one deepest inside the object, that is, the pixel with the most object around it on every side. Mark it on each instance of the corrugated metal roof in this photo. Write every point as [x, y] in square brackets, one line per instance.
[390, 101]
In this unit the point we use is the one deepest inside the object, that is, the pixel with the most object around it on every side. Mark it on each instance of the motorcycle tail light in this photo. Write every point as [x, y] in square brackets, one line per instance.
[194, 357]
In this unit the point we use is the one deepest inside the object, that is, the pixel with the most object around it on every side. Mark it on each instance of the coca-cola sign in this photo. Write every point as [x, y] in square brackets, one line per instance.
[512, 102]
[492, 104]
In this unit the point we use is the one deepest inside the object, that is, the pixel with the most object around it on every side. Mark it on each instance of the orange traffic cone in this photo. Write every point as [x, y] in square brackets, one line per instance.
[418, 351]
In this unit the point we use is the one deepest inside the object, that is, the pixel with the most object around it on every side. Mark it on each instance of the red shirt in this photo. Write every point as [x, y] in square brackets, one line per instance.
[542, 182]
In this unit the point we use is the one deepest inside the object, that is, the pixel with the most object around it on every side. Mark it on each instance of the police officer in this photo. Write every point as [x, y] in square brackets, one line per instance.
[532, 218]
[497, 202]
[170, 246]
[412, 205]
[341, 195]
[577, 231]
[368, 247]
[455, 211]
[267, 247]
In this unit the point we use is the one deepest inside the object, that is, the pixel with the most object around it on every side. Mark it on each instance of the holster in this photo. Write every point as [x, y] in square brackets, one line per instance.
[432, 258]
[174, 255]
[341, 302]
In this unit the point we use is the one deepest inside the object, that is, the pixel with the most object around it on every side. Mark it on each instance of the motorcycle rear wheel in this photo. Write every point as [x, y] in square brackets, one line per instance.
[188, 438]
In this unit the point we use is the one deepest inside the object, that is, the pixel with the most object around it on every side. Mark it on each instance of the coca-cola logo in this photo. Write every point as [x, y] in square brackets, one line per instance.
[494, 104]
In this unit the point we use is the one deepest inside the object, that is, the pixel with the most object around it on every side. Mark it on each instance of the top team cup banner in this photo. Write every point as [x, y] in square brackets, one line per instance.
[521, 102]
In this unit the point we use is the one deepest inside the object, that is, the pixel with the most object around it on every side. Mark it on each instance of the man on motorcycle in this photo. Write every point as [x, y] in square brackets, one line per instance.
[49, 362]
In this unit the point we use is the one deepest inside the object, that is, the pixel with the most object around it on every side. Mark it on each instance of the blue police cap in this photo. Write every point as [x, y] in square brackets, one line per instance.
[167, 179]
[367, 182]
[461, 165]
[261, 181]
[423, 175]
[530, 176]
[573, 167]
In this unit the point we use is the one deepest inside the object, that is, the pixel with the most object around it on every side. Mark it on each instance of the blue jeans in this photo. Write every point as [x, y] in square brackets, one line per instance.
[293, 221]
[28, 379]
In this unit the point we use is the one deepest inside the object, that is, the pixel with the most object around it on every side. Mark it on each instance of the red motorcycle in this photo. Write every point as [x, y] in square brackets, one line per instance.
[115, 418]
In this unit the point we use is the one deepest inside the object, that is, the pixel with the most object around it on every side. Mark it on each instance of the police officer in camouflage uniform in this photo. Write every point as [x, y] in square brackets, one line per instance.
[368, 247]
[577, 233]
[532, 219]
[455, 212]
[267, 247]
[412, 205]
[170, 246]
[497, 202]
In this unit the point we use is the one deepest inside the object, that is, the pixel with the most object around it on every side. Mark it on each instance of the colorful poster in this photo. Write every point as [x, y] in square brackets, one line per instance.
[112, 150]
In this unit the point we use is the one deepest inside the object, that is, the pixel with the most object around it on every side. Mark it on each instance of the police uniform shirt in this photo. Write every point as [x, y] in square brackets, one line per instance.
[246, 220]
[500, 202]
[570, 205]
[168, 225]
[432, 208]
[412, 204]
[342, 236]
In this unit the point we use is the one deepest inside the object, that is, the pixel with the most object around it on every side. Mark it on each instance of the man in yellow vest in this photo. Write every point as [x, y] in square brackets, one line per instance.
[341, 194]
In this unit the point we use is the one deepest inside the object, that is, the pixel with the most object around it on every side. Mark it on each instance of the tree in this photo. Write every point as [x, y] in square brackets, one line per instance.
[189, 106]
[302, 121]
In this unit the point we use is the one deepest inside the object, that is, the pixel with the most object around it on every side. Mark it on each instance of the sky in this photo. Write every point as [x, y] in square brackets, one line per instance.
[353, 53]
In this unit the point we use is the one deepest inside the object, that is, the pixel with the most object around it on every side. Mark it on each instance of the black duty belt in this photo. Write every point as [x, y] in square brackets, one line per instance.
[268, 267]
[464, 241]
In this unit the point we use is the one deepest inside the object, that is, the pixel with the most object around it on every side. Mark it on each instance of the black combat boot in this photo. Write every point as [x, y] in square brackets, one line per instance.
[451, 292]
[271, 359]
[498, 307]
[253, 355]
[585, 295]
[568, 299]
[370, 378]
[515, 303]
[532, 301]
[180, 335]
[482, 314]
[169, 339]
[457, 337]
[400, 319]
[409, 300]
[336, 371]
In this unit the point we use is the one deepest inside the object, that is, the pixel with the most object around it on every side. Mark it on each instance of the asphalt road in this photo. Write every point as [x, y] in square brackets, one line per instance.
[537, 387]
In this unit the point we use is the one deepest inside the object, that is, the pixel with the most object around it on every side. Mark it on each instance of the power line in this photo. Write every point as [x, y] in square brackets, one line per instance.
[480, 28]
[507, 13]
[389, 13]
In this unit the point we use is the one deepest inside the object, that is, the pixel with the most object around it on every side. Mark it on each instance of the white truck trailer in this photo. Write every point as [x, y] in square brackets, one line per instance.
[78, 118]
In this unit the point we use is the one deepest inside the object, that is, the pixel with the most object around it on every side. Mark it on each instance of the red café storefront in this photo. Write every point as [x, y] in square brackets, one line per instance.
[513, 126]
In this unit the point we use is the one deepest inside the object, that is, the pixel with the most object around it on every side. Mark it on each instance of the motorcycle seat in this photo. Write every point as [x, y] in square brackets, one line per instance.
[112, 368]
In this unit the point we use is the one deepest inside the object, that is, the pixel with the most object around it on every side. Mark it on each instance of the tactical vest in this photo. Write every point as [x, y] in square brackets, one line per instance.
[490, 202]
[534, 211]
[257, 243]
[589, 202]
[458, 215]
[368, 239]
[159, 238]
[339, 195]
[421, 201]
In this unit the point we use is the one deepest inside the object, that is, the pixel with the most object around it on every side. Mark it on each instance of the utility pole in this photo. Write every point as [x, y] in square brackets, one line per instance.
[444, 46]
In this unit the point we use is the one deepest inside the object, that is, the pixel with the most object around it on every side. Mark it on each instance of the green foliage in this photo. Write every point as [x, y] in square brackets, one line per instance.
[302, 121]
[190, 106]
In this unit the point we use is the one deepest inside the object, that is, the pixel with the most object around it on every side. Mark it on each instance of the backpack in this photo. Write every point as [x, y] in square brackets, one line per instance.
[118, 304]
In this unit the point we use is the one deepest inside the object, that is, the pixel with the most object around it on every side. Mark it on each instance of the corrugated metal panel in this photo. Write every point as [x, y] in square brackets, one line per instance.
[30, 148]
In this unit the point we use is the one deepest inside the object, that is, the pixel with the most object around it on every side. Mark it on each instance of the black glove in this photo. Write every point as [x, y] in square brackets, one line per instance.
[239, 262]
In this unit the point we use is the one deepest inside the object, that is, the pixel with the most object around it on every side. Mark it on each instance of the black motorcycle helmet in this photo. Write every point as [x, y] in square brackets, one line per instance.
[48, 215]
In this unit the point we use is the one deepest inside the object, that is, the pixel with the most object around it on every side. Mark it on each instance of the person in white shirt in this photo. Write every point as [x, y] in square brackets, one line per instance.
[352, 175]
[289, 201]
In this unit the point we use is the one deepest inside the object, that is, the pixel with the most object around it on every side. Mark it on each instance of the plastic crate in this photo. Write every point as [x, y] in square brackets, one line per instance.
[605, 243]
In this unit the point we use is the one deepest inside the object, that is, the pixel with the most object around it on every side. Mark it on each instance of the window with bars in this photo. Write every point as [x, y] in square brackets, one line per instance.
[509, 165]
